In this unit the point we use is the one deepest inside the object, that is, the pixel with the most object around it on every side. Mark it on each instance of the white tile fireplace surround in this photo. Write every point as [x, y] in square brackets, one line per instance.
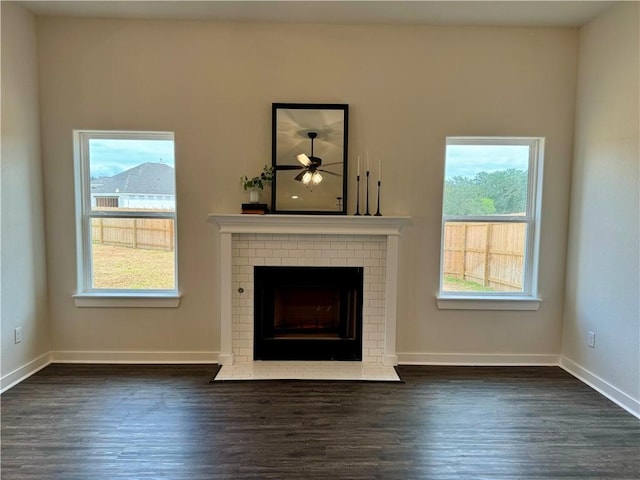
[309, 240]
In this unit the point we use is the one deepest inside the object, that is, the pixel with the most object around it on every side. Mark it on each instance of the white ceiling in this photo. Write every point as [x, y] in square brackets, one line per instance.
[478, 12]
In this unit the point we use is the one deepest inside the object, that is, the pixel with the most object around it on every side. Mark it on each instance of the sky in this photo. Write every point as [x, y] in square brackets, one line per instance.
[109, 157]
[468, 160]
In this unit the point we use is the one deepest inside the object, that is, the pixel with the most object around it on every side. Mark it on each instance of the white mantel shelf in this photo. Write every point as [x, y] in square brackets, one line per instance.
[310, 224]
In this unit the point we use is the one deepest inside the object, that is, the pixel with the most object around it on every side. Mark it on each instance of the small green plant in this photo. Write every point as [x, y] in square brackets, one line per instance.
[259, 181]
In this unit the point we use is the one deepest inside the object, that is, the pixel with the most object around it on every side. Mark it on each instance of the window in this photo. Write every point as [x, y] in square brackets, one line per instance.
[490, 223]
[106, 202]
[126, 218]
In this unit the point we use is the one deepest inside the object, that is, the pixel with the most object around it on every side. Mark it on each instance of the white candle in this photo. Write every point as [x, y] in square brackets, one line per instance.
[368, 169]
[379, 169]
[358, 165]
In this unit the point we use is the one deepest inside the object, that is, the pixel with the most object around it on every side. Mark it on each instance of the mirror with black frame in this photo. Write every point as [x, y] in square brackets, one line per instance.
[309, 153]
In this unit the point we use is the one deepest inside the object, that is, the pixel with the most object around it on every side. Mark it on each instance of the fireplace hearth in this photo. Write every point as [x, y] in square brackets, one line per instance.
[308, 313]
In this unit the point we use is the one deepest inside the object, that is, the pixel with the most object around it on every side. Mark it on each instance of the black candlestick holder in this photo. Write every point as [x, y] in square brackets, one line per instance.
[367, 212]
[357, 195]
[378, 214]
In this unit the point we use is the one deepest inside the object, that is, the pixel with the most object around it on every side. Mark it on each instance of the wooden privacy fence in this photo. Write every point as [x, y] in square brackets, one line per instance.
[491, 254]
[145, 233]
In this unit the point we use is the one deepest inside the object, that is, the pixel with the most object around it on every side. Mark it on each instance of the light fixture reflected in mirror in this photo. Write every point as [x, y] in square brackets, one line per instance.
[306, 178]
[310, 165]
[311, 177]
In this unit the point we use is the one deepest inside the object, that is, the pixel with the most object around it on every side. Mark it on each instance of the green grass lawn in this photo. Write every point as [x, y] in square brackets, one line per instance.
[453, 284]
[132, 268]
[137, 268]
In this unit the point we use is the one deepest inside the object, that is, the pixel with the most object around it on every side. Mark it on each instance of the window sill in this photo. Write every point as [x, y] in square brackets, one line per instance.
[459, 302]
[127, 300]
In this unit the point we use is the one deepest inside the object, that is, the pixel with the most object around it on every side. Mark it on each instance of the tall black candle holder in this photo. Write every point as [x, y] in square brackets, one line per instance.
[378, 214]
[357, 195]
[367, 212]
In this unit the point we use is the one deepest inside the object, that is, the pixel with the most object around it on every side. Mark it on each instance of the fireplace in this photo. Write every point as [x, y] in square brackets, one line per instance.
[308, 313]
[367, 242]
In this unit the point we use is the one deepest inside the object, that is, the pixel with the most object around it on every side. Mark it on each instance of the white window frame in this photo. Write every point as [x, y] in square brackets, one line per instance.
[527, 299]
[86, 295]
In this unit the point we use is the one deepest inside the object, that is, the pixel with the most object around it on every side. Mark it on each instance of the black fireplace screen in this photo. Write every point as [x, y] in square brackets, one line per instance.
[308, 313]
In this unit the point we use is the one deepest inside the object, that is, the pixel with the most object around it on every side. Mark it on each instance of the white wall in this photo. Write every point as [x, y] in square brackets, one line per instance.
[213, 85]
[603, 276]
[23, 289]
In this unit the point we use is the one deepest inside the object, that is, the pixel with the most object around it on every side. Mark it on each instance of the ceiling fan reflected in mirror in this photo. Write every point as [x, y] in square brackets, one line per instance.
[310, 166]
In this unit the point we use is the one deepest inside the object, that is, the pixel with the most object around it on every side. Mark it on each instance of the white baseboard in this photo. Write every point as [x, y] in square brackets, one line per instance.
[11, 379]
[390, 360]
[468, 359]
[133, 357]
[614, 394]
[225, 358]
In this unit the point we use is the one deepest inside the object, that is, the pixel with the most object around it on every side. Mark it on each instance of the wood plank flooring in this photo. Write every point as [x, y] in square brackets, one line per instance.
[94, 422]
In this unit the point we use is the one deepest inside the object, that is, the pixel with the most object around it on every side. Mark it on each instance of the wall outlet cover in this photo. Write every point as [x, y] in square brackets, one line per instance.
[17, 335]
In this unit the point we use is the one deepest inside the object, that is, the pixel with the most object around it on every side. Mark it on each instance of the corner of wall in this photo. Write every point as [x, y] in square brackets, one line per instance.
[23, 288]
[602, 279]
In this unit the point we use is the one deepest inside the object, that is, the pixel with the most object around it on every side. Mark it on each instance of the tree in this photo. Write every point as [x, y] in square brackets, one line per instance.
[462, 196]
[507, 188]
[502, 192]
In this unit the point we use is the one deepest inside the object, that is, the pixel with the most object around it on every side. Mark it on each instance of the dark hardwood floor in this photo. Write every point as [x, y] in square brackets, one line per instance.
[94, 422]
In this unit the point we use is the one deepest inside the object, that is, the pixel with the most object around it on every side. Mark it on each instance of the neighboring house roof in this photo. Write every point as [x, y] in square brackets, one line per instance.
[147, 178]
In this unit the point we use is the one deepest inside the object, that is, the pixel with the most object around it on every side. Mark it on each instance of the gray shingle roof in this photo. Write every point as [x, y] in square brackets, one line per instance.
[147, 178]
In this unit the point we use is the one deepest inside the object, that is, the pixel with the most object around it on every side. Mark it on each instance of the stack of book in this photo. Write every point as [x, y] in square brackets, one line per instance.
[255, 208]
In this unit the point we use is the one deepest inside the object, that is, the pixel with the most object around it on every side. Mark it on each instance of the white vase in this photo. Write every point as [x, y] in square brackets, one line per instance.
[254, 195]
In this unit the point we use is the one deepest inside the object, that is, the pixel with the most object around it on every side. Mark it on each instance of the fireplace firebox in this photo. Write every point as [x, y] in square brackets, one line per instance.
[308, 313]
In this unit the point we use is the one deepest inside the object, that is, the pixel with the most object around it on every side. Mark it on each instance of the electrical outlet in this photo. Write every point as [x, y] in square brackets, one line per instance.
[17, 335]
[591, 339]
